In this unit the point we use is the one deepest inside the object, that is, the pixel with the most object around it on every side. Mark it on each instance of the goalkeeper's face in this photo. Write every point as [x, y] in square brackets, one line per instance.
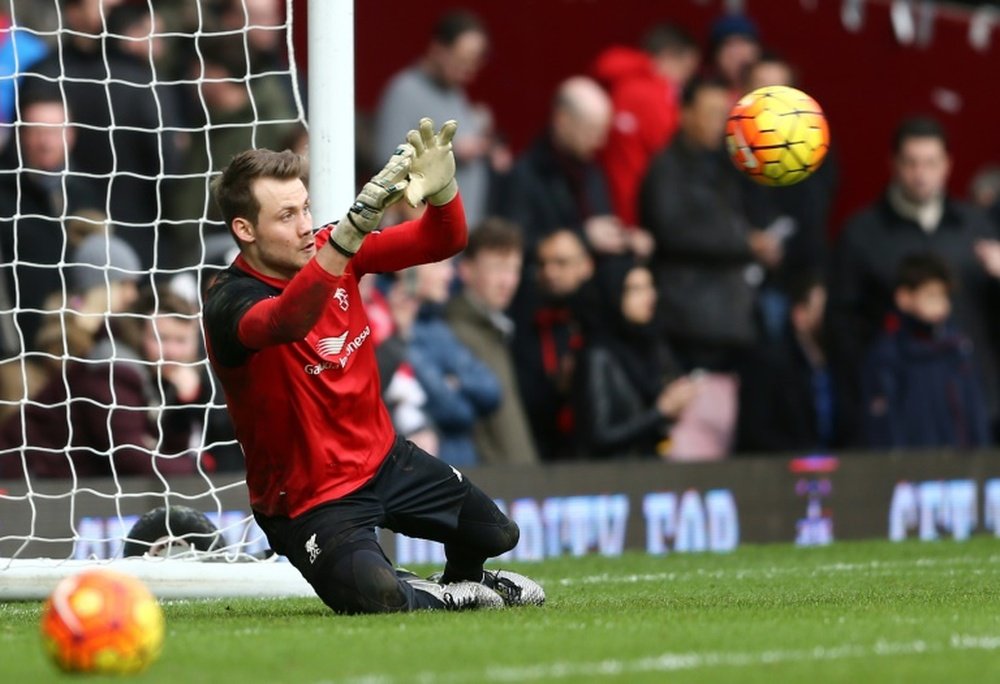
[281, 242]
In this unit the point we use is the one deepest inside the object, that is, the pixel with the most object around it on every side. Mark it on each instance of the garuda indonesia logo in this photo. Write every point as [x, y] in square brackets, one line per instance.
[331, 346]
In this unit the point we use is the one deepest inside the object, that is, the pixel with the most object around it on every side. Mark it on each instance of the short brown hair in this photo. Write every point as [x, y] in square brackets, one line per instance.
[232, 189]
[495, 235]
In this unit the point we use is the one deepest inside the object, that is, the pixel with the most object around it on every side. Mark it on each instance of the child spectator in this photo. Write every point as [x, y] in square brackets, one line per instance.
[920, 385]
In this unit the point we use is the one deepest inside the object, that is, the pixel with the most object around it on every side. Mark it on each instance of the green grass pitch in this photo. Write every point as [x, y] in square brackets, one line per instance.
[851, 612]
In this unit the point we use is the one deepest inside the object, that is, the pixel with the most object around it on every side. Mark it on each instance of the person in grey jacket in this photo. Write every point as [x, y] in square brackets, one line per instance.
[435, 86]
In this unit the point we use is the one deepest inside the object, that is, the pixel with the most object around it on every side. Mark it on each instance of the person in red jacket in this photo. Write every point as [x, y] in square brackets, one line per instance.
[645, 86]
[290, 342]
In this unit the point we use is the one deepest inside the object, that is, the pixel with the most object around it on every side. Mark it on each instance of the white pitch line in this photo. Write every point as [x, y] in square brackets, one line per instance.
[695, 660]
[765, 573]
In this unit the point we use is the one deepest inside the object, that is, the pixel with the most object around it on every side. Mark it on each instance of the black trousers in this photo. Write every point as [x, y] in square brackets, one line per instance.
[335, 547]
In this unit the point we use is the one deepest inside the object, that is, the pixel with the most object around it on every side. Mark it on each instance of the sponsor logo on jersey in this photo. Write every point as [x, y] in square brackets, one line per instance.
[334, 347]
[331, 346]
[341, 296]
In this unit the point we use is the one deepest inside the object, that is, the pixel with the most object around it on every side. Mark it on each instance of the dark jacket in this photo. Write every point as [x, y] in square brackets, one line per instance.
[778, 401]
[36, 240]
[921, 389]
[127, 161]
[616, 418]
[624, 368]
[807, 204]
[547, 347]
[690, 200]
[547, 190]
[868, 254]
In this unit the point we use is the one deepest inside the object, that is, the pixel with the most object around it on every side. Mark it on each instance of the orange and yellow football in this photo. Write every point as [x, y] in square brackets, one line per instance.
[102, 621]
[777, 135]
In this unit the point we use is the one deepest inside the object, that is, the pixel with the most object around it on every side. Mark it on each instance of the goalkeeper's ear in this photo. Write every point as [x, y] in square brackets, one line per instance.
[243, 231]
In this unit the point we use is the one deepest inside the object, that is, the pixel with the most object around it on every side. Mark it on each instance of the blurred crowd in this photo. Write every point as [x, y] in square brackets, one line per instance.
[625, 292]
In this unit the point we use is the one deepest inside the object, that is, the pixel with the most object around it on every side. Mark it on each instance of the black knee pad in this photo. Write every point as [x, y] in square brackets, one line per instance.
[511, 534]
[499, 539]
[357, 578]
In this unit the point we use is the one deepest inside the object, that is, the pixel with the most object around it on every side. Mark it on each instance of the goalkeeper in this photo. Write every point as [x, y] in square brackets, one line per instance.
[289, 339]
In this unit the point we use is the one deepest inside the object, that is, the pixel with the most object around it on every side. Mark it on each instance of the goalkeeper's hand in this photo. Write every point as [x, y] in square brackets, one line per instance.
[432, 171]
[384, 189]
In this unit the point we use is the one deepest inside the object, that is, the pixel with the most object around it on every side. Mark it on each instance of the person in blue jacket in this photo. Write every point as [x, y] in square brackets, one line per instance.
[460, 388]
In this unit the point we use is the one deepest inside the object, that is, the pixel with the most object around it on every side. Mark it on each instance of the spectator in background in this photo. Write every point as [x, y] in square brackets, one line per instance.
[631, 388]
[392, 318]
[19, 50]
[797, 216]
[234, 119]
[645, 88]
[914, 214]
[734, 44]
[920, 382]
[117, 121]
[264, 23]
[138, 39]
[984, 192]
[690, 200]
[557, 183]
[788, 399]
[38, 191]
[110, 428]
[461, 389]
[101, 281]
[270, 78]
[490, 270]
[548, 340]
[187, 406]
[435, 87]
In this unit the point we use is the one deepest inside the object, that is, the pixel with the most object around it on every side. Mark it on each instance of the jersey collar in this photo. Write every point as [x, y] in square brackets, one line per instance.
[245, 266]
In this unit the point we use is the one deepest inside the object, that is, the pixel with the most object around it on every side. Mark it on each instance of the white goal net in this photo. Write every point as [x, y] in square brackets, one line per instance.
[114, 117]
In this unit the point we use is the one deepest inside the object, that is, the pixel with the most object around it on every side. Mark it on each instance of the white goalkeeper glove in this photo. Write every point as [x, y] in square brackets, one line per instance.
[384, 189]
[432, 171]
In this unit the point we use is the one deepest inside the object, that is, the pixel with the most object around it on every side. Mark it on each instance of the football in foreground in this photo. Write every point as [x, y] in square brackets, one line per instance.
[103, 622]
[777, 135]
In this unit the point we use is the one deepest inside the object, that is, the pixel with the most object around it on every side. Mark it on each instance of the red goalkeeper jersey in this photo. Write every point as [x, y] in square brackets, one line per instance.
[308, 412]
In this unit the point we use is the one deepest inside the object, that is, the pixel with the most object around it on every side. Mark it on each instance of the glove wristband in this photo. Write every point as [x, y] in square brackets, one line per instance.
[444, 195]
[347, 237]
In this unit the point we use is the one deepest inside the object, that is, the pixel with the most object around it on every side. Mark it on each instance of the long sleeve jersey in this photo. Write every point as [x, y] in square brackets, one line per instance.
[297, 364]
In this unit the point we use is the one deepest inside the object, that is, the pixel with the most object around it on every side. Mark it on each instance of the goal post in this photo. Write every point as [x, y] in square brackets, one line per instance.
[51, 526]
[331, 108]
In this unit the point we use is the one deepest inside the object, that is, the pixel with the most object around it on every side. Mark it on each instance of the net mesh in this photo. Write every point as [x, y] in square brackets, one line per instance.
[114, 118]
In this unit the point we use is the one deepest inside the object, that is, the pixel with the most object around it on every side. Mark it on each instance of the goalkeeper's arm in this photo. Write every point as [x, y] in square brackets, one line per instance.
[424, 169]
[291, 316]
